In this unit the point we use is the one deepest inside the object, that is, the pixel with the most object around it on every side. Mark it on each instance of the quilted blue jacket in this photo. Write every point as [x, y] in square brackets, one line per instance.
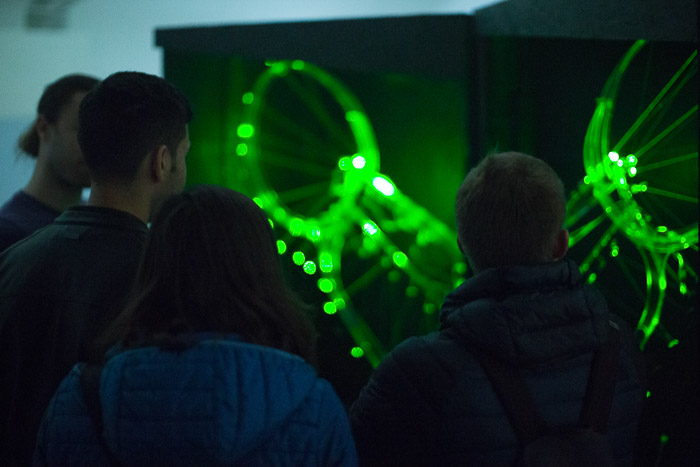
[220, 402]
[430, 403]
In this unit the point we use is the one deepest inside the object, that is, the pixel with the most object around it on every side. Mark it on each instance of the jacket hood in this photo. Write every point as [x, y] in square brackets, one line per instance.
[527, 315]
[220, 397]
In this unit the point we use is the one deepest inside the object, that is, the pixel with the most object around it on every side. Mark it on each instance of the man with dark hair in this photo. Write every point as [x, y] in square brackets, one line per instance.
[60, 173]
[60, 287]
[430, 401]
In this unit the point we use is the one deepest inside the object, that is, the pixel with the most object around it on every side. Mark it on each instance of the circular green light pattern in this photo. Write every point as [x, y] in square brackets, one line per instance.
[325, 285]
[357, 352]
[298, 257]
[592, 278]
[245, 130]
[613, 156]
[325, 260]
[281, 247]
[296, 227]
[384, 186]
[683, 289]
[400, 259]
[242, 149]
[358, 162]
[370, 228]
[344, 163]
[248, 98]
[310, 268]
[330, 308]
[664, 439]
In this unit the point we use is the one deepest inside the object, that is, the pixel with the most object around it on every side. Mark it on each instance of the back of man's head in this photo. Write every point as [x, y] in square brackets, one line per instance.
[510, 210]
[124, 118]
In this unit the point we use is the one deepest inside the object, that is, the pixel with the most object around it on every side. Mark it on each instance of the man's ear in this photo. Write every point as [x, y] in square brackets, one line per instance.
[42, 127]
[159, 162]
[561, 245]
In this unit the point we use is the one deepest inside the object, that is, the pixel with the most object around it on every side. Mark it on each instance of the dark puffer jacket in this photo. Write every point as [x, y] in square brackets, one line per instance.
[220, 402]
[429, 401]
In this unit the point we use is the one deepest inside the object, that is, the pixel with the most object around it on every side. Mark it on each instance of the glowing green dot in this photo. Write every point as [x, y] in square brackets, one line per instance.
[632, 159]
[242, 149]
[298, 257]
[633, 171]
[614, 252]
[272, 224]
[622, 181]
[357, 352]
[326, 262]
[329, 308]
[370, 228]
[400, 259]
[411, 291]
[683, 289]
[638, 216]
[310, 267]
[673, 343]
[296, 226]
[429, 308]
[587, 180]
[358, 161]
[620, 163]
[297, 65]
[384, 186]
[245, 130]
[278, 68]
[339, 303]
[248, 98]
[613, 156]
[281, 247]
[458, 282]
[461, 268]
[664, 439]
[648, 394]
[662, 228]
[592, 278]
[258, 201]
[662, 283]
[325, 285]
[345, 163]
[314, 234]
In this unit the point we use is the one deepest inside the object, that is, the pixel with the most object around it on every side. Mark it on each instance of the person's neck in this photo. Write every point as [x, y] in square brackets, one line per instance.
[125, 198]
[52, 192]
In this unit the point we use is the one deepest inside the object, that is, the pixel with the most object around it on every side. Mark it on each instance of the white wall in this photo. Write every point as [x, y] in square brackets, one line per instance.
[104, 36]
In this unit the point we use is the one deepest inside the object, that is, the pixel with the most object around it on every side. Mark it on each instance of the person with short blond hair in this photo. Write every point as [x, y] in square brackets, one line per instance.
[430, 402]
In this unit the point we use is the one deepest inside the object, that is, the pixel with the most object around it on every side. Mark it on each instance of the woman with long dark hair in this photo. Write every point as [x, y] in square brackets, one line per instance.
[213, 357]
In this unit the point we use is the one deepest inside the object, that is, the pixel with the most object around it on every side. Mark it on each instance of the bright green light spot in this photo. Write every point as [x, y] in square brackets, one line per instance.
[592, 278]
[429, 308]
[632, 159]
[245, 130]
[345, 163]
[272, 224]
[258, 201]
[620, 163]
[278, 68]
[329, 308]
[648, 394]
[384, 186]
[673, 343]
[314, 234]
[400, 259]
[370, 228]
[662, 283]
[326, 262]
[662, 228]
[638, 216]
[622, 180]
[633, 171]
[281, 247]
[461, 268]
[664, 439]
[310, 267]
[297, 65]
[248, 98]
[325, 285]
[614, 252]
[296, 226]
[358, 162]
[357, 352]
[298, 257]
[587, 180]
[613, 156]
[683, 289]
[242, 149]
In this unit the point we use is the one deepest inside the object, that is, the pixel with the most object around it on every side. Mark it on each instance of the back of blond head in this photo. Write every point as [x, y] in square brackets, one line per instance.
[509, 210]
